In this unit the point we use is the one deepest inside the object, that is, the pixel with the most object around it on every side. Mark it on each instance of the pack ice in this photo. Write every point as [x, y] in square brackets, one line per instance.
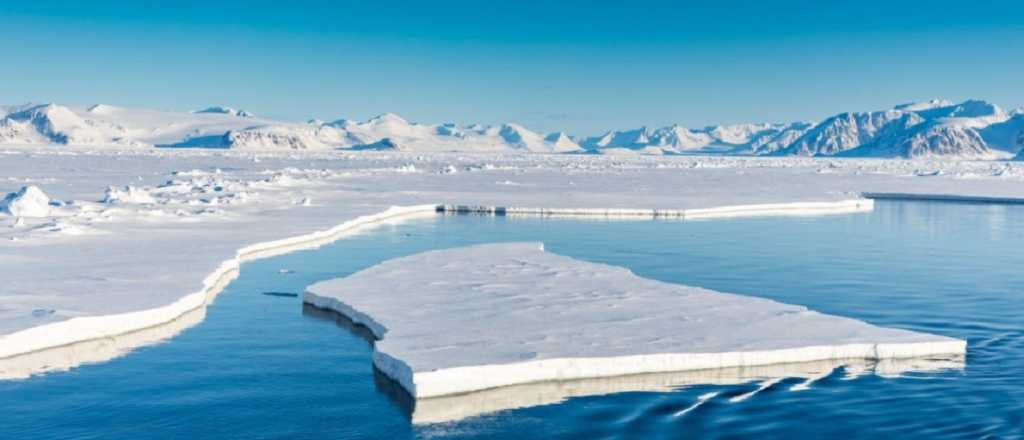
[480, 317]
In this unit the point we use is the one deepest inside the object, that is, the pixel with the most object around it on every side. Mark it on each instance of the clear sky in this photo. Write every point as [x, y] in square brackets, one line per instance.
[582, 66]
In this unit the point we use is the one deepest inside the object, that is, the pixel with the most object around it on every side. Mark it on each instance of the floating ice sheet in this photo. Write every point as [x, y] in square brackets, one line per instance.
[475, 318]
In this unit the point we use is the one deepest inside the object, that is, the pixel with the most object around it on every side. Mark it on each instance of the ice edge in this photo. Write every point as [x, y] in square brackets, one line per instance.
[767, 209]
[460, 380]
[83, 329]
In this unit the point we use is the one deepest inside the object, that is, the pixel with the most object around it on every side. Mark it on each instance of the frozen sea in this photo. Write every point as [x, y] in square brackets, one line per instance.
[260, 366]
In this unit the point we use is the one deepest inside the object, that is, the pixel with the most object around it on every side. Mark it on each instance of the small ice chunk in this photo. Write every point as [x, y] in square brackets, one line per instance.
[29, 201]
[128, 194]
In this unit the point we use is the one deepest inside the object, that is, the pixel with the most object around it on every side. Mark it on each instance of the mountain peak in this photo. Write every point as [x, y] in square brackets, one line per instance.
[102, 109]
[557, 136]
[226, 111]
[924, 105]
[387, 118]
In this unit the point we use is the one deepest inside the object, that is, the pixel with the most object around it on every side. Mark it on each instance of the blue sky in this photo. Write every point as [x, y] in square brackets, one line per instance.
[582, 66]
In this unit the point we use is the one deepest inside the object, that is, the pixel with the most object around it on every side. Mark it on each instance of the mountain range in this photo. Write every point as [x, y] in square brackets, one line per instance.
[971, 129]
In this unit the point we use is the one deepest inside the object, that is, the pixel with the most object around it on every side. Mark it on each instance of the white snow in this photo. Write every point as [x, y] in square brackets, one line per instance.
[480, 317]
[29, 201]
[128, 194]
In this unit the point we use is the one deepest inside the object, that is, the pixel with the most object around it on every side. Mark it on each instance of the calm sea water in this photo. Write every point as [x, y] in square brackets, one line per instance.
[258, 367]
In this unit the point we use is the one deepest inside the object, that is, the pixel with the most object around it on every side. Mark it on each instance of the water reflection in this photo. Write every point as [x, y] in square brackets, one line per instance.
[69, 356]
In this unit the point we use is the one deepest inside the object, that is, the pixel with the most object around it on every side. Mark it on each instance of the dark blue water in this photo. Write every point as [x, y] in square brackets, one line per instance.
[258, 367]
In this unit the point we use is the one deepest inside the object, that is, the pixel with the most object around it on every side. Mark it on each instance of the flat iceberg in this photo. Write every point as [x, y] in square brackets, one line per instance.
[468, 319]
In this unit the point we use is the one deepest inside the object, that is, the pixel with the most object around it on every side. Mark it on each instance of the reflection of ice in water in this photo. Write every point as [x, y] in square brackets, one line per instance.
[700, 401]
[94, 350]
[451, 408]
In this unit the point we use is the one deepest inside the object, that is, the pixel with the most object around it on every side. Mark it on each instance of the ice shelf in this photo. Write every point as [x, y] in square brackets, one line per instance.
[481, 317]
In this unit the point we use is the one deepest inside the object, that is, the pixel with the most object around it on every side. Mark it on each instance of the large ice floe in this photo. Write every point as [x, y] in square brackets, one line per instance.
[482, 317]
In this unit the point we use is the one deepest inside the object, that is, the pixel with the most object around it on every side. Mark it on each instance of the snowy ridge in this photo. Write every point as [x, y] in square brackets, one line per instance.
[748, 138]
[972, 129]
[935, 128]
[389, 132]
[226, 111]
[508, 314]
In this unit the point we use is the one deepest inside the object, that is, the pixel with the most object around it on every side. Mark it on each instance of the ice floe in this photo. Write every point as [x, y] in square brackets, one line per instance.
[475, 318]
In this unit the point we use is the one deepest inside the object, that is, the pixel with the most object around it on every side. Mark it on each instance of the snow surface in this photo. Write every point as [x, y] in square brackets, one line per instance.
[158, 246]
[29, 201]
[468, 319]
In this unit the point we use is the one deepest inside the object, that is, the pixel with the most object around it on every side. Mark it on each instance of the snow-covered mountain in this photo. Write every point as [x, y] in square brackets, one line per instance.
[737, 138]
[933, 128]
[106, 125]
[972, 129]
[848, 131]
[53, 124]
[226, 111]
[1006, 136]
[225, 127]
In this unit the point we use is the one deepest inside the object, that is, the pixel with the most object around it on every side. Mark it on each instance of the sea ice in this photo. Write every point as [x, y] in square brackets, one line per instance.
[480, 317]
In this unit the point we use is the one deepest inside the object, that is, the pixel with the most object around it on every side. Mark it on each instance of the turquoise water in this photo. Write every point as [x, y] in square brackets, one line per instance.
[259, 366]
